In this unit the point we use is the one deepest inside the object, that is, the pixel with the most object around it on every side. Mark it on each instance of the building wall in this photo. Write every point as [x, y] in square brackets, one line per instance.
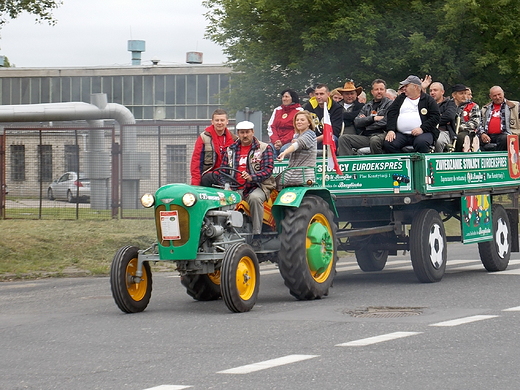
[151, 92]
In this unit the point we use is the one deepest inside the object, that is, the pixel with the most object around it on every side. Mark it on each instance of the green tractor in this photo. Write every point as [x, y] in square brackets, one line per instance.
[207, 233]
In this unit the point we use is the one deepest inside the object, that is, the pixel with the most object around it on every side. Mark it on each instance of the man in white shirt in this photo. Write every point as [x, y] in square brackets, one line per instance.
[412, 119]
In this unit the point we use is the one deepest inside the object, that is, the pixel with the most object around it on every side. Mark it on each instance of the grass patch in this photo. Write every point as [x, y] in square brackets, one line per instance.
[38, 248]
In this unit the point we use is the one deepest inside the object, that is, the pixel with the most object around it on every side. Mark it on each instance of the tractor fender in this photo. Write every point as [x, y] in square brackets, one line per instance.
[293, 196]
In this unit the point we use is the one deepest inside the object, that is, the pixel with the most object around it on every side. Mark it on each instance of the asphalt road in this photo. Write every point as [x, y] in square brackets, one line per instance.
[461, 333]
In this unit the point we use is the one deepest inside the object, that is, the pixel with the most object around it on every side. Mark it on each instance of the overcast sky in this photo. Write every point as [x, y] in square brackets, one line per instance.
[96, 32]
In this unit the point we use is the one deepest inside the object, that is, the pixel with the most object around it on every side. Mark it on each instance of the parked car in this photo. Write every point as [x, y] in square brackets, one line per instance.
[68, 186]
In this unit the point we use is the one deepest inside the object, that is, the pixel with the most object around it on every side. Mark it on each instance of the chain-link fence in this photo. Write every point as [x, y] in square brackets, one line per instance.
[91, 173]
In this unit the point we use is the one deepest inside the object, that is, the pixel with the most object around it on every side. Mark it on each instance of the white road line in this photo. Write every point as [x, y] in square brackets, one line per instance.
[507, 272]
[377, 339]
[517, 308]
[169, 387]
[269, 272]
[457, 262]
[271, 269]
[476, 267]
[465, 320]
[267, 364]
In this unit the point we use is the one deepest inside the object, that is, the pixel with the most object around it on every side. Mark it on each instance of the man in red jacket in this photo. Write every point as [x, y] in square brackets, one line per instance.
[208, 150]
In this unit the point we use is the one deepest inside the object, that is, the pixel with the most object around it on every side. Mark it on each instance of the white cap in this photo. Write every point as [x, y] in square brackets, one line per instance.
[245, 125]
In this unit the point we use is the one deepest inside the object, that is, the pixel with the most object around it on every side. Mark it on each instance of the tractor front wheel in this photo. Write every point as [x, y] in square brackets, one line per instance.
[239, 278]
[131, 293]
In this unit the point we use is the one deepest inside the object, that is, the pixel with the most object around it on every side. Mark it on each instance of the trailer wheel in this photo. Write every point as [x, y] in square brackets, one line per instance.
[370, 260]
[131, 295]
[239, 278]
[205, 287]
[307, 257]
[495, 254]
[428, 248]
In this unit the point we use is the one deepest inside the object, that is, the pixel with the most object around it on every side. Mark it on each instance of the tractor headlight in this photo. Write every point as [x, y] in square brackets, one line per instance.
[147, 200]
[189, 199]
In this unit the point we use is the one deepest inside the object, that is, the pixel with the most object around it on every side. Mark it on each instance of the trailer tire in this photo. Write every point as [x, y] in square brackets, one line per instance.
[370, 260]
[203, 287]
[129, 296]
[239, 278]
[307, 257]
[495, 254]
[428, 246]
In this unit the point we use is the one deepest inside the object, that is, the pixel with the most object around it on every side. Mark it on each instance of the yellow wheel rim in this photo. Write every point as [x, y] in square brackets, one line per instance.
[246, 278]
[326, 246]
[136, 290]
[215, 277]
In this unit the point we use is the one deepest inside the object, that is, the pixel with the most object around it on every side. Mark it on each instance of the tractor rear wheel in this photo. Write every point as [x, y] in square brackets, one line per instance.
[307, 257]
[205, 287]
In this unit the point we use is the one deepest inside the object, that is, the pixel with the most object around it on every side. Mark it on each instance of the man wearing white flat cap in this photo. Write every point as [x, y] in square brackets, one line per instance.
[254, 159]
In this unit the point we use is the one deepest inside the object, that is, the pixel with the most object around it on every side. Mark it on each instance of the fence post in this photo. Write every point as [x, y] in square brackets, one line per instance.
[3, 185]
[116, 156]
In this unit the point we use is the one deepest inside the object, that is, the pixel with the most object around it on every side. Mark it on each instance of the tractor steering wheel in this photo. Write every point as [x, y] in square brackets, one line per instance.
[223, 171]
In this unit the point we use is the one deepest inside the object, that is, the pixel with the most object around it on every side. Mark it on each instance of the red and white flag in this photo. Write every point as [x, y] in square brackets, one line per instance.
[329, 141]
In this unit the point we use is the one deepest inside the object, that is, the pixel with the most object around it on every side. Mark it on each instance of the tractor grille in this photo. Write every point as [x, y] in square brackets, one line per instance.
[184, 225]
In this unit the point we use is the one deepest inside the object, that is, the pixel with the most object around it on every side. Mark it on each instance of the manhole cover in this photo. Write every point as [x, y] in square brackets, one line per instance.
[384, 312]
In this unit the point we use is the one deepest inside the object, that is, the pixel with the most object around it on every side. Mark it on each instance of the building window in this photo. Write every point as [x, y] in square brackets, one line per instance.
[176, 164]
[45, 162]
[72, 158]
[17, 162]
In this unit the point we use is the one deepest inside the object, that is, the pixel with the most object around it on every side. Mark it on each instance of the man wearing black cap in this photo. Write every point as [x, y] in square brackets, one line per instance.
[412, 119]
[468, 120]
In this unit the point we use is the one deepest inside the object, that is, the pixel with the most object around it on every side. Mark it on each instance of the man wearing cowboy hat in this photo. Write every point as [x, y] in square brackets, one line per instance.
[351, 106]
[370, 124]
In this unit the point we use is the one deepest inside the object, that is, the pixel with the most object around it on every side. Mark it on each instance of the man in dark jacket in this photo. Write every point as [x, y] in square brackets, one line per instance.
[370, 123]
[448, 111]
[315, 107]
[412, 119]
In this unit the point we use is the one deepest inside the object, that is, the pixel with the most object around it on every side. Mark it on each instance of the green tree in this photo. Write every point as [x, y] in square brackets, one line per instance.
[42, 9]
[273, 45]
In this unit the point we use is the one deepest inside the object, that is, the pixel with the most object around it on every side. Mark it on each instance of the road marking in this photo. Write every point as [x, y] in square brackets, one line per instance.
[475, 267]
[169, 387]
[507, 272]
[517, 308]
[267, 364]
[399, 265]
[465, 320]
[377, 339]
